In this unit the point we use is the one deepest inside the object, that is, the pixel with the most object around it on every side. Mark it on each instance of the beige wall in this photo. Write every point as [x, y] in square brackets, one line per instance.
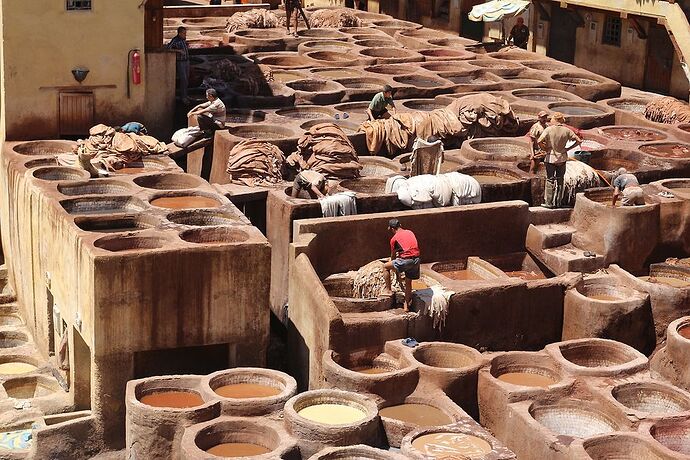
[42, 44]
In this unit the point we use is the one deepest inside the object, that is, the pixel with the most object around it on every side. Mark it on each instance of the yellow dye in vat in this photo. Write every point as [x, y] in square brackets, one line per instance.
[332, 414]
[16, 368]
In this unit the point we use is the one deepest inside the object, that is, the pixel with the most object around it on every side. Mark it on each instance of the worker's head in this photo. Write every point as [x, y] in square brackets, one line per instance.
[543, 116]
[387, 91]
[520, 21]
[182, 31]
[211, 94]
[557, 118]
[118, 129]
[393, 225]
[431, 139]
[621, 171]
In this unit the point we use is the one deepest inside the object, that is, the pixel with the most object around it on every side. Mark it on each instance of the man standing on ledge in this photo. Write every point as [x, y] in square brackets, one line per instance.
[404, 259]
[179, 45]
[378, 107]
[519, 34]
[554, 140]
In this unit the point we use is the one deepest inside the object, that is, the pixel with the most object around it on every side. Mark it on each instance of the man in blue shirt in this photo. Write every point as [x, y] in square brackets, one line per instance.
[133, 127]
[179, 45]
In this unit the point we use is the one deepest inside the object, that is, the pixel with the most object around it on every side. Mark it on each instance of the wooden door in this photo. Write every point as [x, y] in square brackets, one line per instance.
[660, 52]
[76, 113]
[562, 36]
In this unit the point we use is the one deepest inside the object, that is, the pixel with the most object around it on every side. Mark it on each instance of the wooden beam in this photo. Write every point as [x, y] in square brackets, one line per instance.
[543, 14]
[641, 33]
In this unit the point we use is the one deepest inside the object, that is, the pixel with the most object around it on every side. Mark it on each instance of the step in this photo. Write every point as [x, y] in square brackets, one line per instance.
[568, 258]
[548, 236]
[539, 215]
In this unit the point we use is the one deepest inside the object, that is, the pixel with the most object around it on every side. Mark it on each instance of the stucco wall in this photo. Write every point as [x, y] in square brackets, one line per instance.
[42, 44]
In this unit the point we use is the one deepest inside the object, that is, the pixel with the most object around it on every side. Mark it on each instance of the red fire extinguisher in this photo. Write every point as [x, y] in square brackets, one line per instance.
[136, 67]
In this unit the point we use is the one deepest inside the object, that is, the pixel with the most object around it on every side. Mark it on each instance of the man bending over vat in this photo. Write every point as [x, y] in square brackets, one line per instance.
[309, 184]
[380, 104]
[626, 184]
[554, 140]
[404, 259]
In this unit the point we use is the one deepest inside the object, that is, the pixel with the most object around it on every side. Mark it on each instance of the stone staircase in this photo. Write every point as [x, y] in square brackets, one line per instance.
[550, 240]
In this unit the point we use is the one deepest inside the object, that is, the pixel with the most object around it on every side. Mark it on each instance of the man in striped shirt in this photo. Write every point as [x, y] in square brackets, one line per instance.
[179, 45]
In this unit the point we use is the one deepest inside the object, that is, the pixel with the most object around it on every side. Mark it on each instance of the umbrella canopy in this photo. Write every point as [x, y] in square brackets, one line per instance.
[496, 10]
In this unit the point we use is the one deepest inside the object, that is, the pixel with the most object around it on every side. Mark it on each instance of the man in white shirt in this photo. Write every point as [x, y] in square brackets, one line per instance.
[210, 115]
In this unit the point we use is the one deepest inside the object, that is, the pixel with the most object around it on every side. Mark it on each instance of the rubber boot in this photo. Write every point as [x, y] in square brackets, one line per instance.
[548, 194]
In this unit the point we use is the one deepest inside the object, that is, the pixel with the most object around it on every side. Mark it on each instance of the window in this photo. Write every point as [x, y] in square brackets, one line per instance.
[73, 5]
[612, 31]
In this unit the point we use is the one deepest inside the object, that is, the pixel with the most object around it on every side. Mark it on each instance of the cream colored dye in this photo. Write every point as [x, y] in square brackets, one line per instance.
[332, 414]
[16, 368]
[444, 445]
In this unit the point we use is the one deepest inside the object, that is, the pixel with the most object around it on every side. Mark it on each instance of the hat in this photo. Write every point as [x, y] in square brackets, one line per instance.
[394, 223]
[387, 89]
[543, 113]
[558, 117]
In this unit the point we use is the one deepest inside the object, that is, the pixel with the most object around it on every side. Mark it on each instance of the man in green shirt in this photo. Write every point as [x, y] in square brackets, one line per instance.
[378, 107]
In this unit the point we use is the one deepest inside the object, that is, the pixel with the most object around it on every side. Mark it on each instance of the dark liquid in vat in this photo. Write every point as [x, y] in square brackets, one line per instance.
[172, 399]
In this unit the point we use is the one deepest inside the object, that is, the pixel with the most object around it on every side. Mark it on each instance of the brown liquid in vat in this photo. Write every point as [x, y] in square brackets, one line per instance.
[684, 331]
[417, 414]
[462, 275]
[682, 192]
[172, 399]
[418, 285]
[667, 150]
[631, 134]
[673, 282]
[605, 297]
[526, 379]
[446, 445]
[237, 449]
[525, 275]
[370, 370]
[489, 179]
[246, 390]
[185, 202]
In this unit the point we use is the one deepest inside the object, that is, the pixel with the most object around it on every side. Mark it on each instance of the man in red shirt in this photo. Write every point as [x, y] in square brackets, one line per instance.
[404, 258]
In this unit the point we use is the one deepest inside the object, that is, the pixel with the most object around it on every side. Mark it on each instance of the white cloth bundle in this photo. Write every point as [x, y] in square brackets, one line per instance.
[340, 204]
[427, 191]
[435, 301]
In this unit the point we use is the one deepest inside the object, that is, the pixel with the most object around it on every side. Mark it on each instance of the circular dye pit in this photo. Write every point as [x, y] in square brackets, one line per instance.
[332, 414]
[491, 179]
[114, 225]
[391, 69]
[57, 173]
[472, 78]
[237, 449]
[423, 105]
[666, 280]
[446, 355]
[264, 132]
[667, 150]
[172, 399]
[421, 415]
[368, 185]
[620, 447]
[306, 113]
[247, 390]
[450, 445]
[16, 368]
[577, 110]
[527, 379]
[95, 187]
[606, 292]
[373, 84]
[185, 202]
[633, 134]
[30, 387]
[44, 147]
[542, 95]
[573, 418]
[579, 80]
[10, 320]
[219, 235]
[202, 218]
[169, 181]
[129, 243]
[651, 398]
[684, 331]
[284, 76]
[598, 353]
[419, 81]
[335, 73]
[12, 339]
[628, 105]
[674, 435]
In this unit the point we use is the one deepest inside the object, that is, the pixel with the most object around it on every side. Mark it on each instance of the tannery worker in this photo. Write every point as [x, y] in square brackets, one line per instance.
[404, 259]
[626, 184]
[534, 134]
[179, 45]
[519, 34]
[554, 140]
[296, 7]
[380, 104]
[210, 115]
[133, 127]
[312, 183]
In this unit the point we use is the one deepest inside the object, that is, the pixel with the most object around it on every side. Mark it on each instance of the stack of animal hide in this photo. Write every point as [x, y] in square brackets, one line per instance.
[253, 162]
[336, 18]
[579, 177]
[253, 19]
[242, 79]
[326, 149]
[667, 110]
[370, 281]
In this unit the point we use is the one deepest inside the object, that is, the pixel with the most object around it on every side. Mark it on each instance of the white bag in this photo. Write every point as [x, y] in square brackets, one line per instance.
[185, 136]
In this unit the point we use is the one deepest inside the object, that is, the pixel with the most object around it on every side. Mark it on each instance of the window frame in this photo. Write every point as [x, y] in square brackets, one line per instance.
[78, 5]
[609, 36]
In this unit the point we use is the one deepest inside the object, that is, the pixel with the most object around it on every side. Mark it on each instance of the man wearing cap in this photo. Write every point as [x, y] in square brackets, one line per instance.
[627, 185]
[379, 105]
[553, 140]
[404, 258]
[534, 134]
